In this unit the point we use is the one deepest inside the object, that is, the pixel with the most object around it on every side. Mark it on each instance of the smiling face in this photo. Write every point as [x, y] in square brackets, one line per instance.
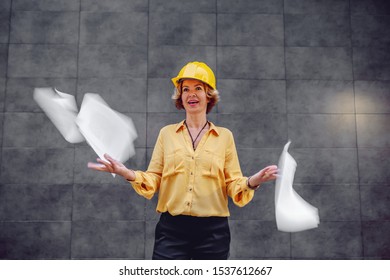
[194, 96]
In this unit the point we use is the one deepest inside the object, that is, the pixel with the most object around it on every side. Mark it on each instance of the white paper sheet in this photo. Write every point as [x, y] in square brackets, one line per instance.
[293, 213]
[61, 109]
[106, 130]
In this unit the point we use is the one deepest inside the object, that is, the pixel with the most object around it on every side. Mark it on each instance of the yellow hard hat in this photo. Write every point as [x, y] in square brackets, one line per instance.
[196, 70]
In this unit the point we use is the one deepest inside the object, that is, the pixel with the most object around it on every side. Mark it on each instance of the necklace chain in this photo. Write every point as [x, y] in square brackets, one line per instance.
[193, 141]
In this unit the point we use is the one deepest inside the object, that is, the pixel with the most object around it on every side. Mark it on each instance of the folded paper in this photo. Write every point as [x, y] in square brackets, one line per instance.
[61, 109]
[292, 212]
[104, 129]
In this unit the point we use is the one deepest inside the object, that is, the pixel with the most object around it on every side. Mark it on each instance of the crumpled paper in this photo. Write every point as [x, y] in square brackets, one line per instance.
[293, 213]
[104, 129]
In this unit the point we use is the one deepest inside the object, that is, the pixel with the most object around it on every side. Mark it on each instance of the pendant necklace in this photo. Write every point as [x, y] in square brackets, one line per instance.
[193, 141]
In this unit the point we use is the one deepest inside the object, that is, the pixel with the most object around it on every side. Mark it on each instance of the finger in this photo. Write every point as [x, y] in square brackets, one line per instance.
[271, 168]
[110, 159]
[97, 166]
[107, 164]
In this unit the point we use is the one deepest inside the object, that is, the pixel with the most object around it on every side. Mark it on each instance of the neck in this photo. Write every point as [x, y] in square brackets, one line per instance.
[196, 121]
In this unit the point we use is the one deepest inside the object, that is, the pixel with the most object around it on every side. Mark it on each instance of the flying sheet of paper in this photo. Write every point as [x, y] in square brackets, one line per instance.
[293, 213]
[61, 109]
[106, 130]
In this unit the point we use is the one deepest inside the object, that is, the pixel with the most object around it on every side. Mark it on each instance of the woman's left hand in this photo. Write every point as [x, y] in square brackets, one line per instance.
[266, 174]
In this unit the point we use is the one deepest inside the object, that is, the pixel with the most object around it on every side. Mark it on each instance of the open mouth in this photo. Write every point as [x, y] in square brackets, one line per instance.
[193, 102]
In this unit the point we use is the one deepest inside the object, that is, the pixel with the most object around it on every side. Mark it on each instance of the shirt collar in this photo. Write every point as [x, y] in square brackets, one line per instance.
[213, 128]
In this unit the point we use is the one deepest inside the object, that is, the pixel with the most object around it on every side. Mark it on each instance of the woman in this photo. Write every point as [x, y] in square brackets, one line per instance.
[194, 168]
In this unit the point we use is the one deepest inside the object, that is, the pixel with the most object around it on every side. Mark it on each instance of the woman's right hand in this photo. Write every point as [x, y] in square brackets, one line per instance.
[112, 166]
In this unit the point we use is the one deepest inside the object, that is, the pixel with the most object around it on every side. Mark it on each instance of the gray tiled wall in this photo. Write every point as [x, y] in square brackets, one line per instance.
[313, 71]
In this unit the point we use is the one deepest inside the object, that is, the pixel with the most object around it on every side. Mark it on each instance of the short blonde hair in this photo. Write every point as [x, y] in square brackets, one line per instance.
[212, 95]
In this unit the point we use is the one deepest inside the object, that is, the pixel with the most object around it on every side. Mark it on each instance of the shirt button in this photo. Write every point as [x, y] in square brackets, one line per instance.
[188, 204]
[190, 189]
[192, 157]
[191, 173]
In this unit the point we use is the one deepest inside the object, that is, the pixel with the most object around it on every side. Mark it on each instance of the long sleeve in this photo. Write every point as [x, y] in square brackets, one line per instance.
[147, 183]
[235, 182]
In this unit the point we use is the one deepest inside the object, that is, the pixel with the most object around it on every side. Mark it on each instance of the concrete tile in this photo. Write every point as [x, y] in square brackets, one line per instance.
[4, 22]
[180, 6]
[121, 94]
[325, 166]
[371, 63]
[44, 5]
[375, 239]
[331, 240]
[108, 240]
[374, 165]
[2, 94]
[176, 29]
[335, 203]
[160, 91]
[60, 162]
[126, 29]
[261, 208]
[322, 131]
[329, 30]
[257, 240]
[149, 239]
[3, 60]
[156, 121]
[52, 61]
[5, 5]
[370, 7]
[84, 175]
[252, 160]
[31, 130]
[375, 202]
[1, 128]
[35, 240]
[32, 165]
[166, 61]
[267, 130]
[370, 31]
[250, 30]
[35, 202]
[114, 6]
[250, 6]
[139, 120]
[34, 27]
[320, 97]
[20, 92]
[372, 131]
[251, 62]
[23, 166]
[107, 202]
[266, 96]
[245, 96]
[372, 97]
[316, 7]
[108, 61]
[318, 63]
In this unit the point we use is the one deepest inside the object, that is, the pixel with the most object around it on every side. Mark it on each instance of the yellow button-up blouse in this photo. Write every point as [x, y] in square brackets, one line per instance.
[195, 183]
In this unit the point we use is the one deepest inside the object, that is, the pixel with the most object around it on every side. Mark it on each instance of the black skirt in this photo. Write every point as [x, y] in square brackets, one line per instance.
[186, 237]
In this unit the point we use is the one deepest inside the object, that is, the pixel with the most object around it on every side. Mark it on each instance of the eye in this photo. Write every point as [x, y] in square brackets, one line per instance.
[185, 89]
[199, 88]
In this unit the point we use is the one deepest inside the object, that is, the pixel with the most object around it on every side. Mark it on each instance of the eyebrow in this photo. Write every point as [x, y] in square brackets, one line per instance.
[194, 85]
